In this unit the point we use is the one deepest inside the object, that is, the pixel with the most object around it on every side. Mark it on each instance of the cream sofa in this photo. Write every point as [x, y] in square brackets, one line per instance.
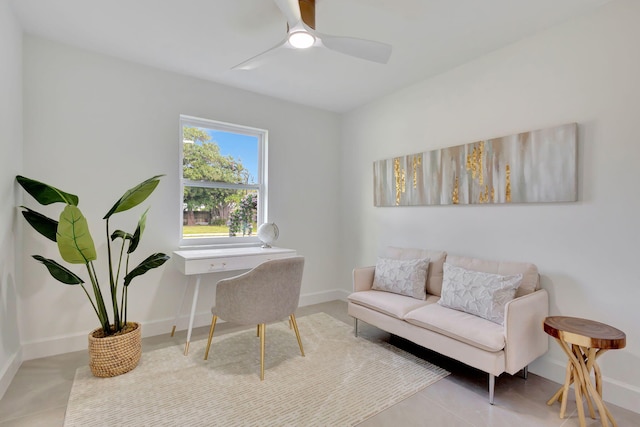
[475, 341]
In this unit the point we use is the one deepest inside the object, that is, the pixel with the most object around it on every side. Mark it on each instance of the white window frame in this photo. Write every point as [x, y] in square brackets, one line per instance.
[260, 186]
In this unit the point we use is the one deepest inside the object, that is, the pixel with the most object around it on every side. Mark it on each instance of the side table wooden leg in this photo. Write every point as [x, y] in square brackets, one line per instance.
[598, 376]
[567, 382]
[604, 412]
[586, 354]
[563, 392]
[578, 391]
[592, 364]
[579, 380]
[609, 415]
[565, 389]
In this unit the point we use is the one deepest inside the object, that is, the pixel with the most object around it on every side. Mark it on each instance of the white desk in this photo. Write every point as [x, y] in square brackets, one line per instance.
[203, 261]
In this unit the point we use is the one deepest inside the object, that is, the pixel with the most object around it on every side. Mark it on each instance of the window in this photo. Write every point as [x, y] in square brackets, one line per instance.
[223, 184]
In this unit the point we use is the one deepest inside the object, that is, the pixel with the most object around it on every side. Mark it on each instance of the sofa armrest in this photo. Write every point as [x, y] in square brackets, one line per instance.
[525, 340]
[363, 278]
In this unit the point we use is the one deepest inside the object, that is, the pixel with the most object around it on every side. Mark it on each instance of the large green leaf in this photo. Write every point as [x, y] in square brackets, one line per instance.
[134, 196]
[119, 234]
[44, 193]
[153, 261]
[59, 272]
[135, 239]
[42, 224]
[74, 239]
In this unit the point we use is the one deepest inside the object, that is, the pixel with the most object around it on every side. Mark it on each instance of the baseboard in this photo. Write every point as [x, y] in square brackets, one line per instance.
[324, 296]
[76, 342]
[160, 327]
[9, 371]
[616, 392]
[53, 346]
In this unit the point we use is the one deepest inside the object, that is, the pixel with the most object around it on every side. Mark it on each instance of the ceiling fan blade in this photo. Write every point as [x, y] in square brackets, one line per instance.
[260, 58]
[291, 10]
[360, 48]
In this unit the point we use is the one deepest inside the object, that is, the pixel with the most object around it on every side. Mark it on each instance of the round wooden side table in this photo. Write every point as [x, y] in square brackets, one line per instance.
[583, 341]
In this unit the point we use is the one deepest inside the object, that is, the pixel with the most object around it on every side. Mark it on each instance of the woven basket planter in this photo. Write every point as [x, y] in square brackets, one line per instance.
[116, 354]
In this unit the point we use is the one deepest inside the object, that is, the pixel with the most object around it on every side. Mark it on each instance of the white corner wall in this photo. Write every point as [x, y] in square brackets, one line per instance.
[10, 165]
[96, 126]
[585, 71]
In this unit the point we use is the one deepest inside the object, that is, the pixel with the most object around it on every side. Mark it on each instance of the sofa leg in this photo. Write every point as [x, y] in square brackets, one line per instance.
[525, 372]
[492, 386]
[355, 326]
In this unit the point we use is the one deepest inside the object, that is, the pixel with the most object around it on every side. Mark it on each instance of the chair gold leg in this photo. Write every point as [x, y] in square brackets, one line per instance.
[211, 329]
[292, 319]
[258, 331]
[262, 330]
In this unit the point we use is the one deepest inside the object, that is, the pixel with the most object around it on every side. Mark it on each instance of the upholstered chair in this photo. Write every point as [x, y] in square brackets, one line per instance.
[269, 292]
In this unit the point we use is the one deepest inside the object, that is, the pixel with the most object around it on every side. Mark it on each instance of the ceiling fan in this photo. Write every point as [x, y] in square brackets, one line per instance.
[301, 34]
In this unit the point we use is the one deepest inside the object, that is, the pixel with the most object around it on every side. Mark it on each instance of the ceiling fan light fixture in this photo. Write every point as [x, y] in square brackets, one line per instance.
[301, 39]
[301, 34]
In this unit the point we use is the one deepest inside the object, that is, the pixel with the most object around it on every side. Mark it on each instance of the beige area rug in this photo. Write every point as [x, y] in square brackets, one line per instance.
[342, 381]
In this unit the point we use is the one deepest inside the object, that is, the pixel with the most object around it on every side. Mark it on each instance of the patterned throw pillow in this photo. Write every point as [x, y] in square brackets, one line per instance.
[478, 293]
[402, 276]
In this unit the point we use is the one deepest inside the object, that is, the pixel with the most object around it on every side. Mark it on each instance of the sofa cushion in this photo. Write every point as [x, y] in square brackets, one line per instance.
[476, 292]
[461, 326]
[436, 258]
[402, 276]
[390, 304]
[530, 278]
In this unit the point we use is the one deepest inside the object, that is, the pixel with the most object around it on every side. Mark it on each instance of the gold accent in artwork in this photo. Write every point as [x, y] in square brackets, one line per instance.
[400, 178]
[475, 163]
[485, 196]
[455, 196]
[481, 174]
[507, 191]
[417, 161]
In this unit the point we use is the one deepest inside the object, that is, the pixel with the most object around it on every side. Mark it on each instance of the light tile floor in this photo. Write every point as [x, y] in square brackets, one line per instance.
[38, 394]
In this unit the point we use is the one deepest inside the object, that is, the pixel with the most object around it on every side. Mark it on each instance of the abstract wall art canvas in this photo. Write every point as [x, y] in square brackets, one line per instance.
[530, 167]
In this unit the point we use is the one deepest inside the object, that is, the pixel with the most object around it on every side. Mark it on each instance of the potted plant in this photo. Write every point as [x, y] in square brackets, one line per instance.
[115, 347]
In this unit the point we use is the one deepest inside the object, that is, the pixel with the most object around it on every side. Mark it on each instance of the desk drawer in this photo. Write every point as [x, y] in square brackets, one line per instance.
[212, 265]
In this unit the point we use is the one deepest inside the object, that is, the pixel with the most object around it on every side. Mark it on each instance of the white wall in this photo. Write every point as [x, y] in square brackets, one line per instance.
[586, 71]
[96, 126]
[10, 165]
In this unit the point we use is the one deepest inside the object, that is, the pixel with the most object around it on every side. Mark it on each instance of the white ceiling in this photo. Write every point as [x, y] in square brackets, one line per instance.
[205, 38]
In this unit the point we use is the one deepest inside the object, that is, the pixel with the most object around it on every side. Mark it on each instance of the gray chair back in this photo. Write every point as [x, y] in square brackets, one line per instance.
[267, 293]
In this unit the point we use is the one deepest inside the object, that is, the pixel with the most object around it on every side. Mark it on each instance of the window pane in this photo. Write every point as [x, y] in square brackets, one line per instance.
[218, 156]
[219, 212]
